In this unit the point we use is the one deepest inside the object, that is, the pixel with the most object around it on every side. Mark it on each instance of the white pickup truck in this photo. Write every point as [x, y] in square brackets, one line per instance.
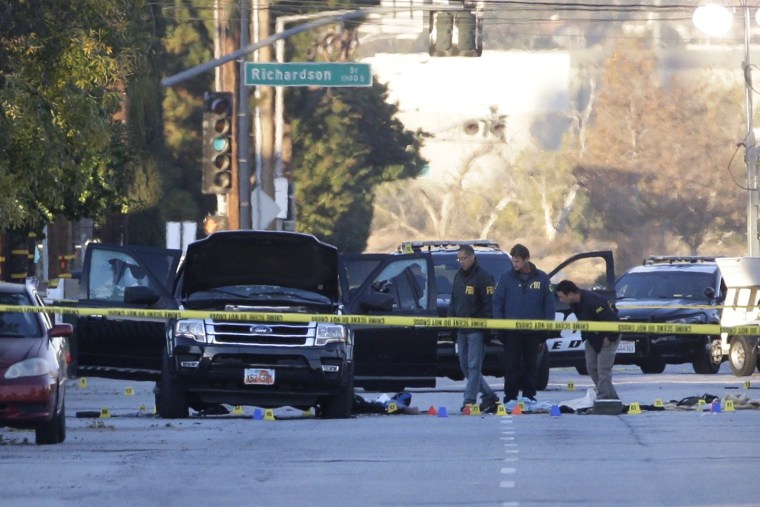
[741, 307]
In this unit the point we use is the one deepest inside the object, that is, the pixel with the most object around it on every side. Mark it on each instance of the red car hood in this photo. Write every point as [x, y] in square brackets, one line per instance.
[13, 350]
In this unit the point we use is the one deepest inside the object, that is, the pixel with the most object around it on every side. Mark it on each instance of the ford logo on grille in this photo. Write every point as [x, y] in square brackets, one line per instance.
[261, 330]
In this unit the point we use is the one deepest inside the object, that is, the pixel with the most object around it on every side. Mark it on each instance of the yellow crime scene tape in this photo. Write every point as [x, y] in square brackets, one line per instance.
[394, 320]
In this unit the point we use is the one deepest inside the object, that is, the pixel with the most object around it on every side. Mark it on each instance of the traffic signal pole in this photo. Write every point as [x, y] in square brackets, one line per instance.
[244, 122]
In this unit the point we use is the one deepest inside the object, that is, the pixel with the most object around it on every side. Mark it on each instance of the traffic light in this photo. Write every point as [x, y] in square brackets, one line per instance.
[217, 143]
[455, 33]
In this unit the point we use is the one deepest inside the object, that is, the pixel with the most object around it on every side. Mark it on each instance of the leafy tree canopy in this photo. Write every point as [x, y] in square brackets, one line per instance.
[63, 65]
[346, 141]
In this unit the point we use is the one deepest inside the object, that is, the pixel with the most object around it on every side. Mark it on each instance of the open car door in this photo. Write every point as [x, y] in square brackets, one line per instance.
[391, 358]
[593, 270]
[124, 277]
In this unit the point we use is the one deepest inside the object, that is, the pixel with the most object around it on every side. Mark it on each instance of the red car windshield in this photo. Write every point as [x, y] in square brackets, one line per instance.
[17, 324]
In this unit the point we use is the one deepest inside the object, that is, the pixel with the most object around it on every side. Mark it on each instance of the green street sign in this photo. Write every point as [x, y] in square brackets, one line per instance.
[307, 74]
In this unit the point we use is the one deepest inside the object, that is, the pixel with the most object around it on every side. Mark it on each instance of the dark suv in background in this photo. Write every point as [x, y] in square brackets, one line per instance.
[495, 261]
[672, 290]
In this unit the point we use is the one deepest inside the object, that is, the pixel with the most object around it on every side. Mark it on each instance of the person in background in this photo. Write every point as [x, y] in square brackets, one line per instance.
[600, 347]
[523, 292]
[471, 295]
[420, 283]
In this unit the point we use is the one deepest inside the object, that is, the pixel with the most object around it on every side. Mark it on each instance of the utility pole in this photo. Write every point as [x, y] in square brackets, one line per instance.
[225, 80]
[244, 122]
[264, 120]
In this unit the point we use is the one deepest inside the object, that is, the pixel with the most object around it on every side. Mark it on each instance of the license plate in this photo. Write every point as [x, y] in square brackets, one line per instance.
[258, 376]
[626, 347]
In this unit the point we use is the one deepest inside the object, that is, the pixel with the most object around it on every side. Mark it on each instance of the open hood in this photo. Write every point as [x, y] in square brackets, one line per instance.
[285, 259]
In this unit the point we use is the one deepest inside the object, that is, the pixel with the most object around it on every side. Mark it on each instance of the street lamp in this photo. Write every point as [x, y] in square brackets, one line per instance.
[714, 19]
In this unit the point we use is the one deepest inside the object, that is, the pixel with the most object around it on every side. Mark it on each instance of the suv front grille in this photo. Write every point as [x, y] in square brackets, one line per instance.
[254, 333]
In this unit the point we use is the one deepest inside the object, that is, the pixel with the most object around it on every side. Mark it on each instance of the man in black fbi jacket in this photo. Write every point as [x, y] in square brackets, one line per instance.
[600, 346]
[471, 293]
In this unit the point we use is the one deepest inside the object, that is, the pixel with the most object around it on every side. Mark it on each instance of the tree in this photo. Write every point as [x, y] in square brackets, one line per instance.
[80, 115]
[463, 206]
[60, 66]
[188, 42]
[346, 141]
[335, 178]
[654, 164]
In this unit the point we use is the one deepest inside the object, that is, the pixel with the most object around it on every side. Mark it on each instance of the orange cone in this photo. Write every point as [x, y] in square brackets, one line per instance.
[432, 410]
[517, 409]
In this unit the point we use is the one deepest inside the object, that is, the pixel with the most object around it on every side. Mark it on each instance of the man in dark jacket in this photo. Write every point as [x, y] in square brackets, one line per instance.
[471, 294]
[523, 292]
[600, 347]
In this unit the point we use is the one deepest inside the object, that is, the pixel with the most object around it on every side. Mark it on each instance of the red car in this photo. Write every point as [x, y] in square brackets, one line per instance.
[33, 361]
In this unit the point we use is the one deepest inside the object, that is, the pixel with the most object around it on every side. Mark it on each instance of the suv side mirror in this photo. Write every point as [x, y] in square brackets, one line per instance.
[62, 330]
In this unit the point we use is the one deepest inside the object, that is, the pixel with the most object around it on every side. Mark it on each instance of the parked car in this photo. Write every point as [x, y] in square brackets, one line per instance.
[33, 366]
[206, 361]
[673, 290]
[561, 349]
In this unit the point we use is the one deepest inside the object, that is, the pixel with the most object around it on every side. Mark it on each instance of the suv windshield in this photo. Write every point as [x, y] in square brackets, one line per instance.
[664, 285]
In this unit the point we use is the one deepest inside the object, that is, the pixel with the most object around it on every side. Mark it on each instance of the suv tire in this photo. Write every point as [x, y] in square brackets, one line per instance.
[708, 360]
[742, 356]
[52, 431]
[338, 406]
[652, 366]
[170, 399]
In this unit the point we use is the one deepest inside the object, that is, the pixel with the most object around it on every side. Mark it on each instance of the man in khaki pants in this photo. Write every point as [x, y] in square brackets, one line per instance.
[601, 346]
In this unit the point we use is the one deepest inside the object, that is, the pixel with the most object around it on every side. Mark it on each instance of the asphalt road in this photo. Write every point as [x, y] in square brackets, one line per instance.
[675, 457]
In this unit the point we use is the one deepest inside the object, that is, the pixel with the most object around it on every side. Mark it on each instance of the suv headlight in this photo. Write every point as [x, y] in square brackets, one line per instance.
[190, 328]
[330, 333]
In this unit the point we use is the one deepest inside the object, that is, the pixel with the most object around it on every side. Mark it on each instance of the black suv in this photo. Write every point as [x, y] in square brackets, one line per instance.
[210, 358]
[673, 290]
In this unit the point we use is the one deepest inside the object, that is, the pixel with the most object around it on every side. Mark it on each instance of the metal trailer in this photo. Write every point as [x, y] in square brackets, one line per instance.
[741, 308]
